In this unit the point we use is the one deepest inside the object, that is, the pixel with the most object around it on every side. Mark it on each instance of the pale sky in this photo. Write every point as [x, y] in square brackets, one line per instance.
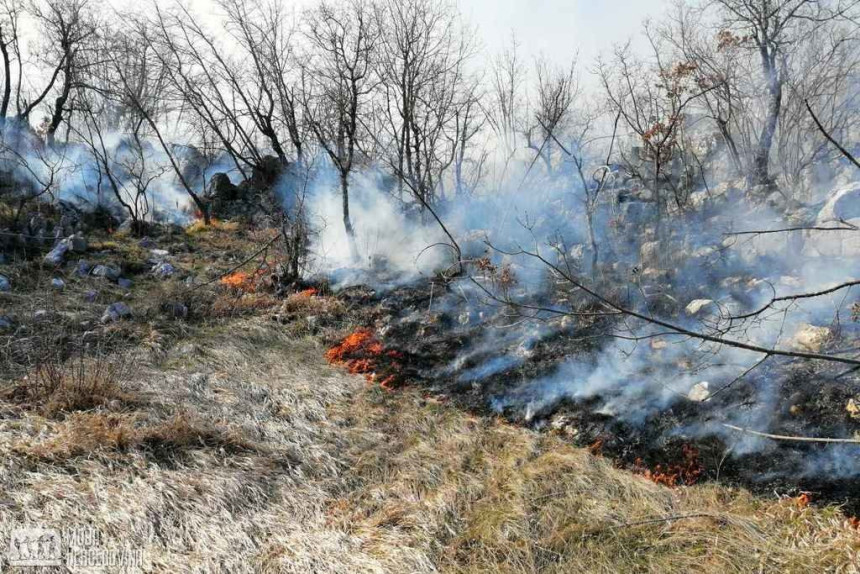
[556, 28]
[559, 28]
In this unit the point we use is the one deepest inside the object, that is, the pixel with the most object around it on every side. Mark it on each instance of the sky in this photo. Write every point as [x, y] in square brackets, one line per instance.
[559, 29]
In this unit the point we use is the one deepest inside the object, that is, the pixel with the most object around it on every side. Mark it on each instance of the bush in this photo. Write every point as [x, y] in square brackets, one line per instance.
[57, 388]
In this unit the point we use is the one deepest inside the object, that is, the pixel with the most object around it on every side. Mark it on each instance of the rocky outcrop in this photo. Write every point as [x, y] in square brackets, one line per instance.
[841, 209]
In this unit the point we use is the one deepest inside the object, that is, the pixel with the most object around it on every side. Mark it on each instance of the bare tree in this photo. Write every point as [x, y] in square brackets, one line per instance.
[773, 30]
[68, 28]
[557, 89]
[507, 101]
[427, 104]
[340, 80]
[651, 100]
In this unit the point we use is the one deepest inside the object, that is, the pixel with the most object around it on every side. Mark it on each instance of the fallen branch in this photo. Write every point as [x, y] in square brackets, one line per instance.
[792, 438]
[240, 265]
[846, 227]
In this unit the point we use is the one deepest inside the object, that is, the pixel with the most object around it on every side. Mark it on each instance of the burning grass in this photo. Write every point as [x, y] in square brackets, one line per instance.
[363, 354]
[685, 472]
[241, 281]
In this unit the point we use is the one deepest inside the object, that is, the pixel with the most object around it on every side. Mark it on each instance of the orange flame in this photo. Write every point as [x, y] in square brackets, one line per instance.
[240, 281]
[687, 472]
[361, 354]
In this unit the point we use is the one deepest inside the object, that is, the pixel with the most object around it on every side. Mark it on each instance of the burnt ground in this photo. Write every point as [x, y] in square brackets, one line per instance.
[441, 340]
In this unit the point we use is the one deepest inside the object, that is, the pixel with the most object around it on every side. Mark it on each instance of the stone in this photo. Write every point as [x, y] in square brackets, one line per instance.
[221, 188]
[147, 243]
[90, 296]
[175, 310]
[83, 268]
[77, 242]
[115, 312]
[164, 270]
[810, 338]
[6, 323]
[40, 314]
[699, 392]
[843, 205]
[124, 283]
[57, 255]
[58, 284]
[158, 255]
[5, 284]
[842, 209]
[107, 271]
[699, 307]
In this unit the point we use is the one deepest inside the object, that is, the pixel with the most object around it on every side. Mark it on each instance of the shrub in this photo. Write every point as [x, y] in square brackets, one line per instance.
[57, 388]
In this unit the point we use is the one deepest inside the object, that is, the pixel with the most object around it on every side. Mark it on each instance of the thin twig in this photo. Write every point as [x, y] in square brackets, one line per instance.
[672, 518]
[793, 438]
[847, 227]
[830, 138]
[240, 265]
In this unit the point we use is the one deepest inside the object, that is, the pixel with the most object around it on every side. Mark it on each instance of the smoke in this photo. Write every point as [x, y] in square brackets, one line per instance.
[700, 256]
[71, 173]
[392, 248]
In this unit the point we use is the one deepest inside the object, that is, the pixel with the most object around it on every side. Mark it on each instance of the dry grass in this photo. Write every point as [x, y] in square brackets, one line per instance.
[241, 304]
[475, 495]
[57, 388]
[215, 225]
[305, 305]
[289, 465]
[92, 434]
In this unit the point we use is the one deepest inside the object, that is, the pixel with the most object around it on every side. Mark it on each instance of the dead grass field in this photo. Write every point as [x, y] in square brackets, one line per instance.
[243, 451]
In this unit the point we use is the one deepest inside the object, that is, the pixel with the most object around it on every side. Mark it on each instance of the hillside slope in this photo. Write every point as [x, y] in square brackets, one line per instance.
[244, 451]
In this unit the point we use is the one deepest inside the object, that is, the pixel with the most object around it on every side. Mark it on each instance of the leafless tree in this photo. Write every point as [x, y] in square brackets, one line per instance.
[773, 30]
[507, 100]
[68, 29]
[557, 90]
[652, 99]
[340, 80]
[428, 102]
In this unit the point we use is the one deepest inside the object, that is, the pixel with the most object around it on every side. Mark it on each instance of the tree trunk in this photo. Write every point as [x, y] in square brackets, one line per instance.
[761, 161]
[7, 77]
[347, 223]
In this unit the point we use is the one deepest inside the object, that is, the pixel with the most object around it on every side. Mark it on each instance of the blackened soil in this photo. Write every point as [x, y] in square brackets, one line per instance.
[442, 335]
